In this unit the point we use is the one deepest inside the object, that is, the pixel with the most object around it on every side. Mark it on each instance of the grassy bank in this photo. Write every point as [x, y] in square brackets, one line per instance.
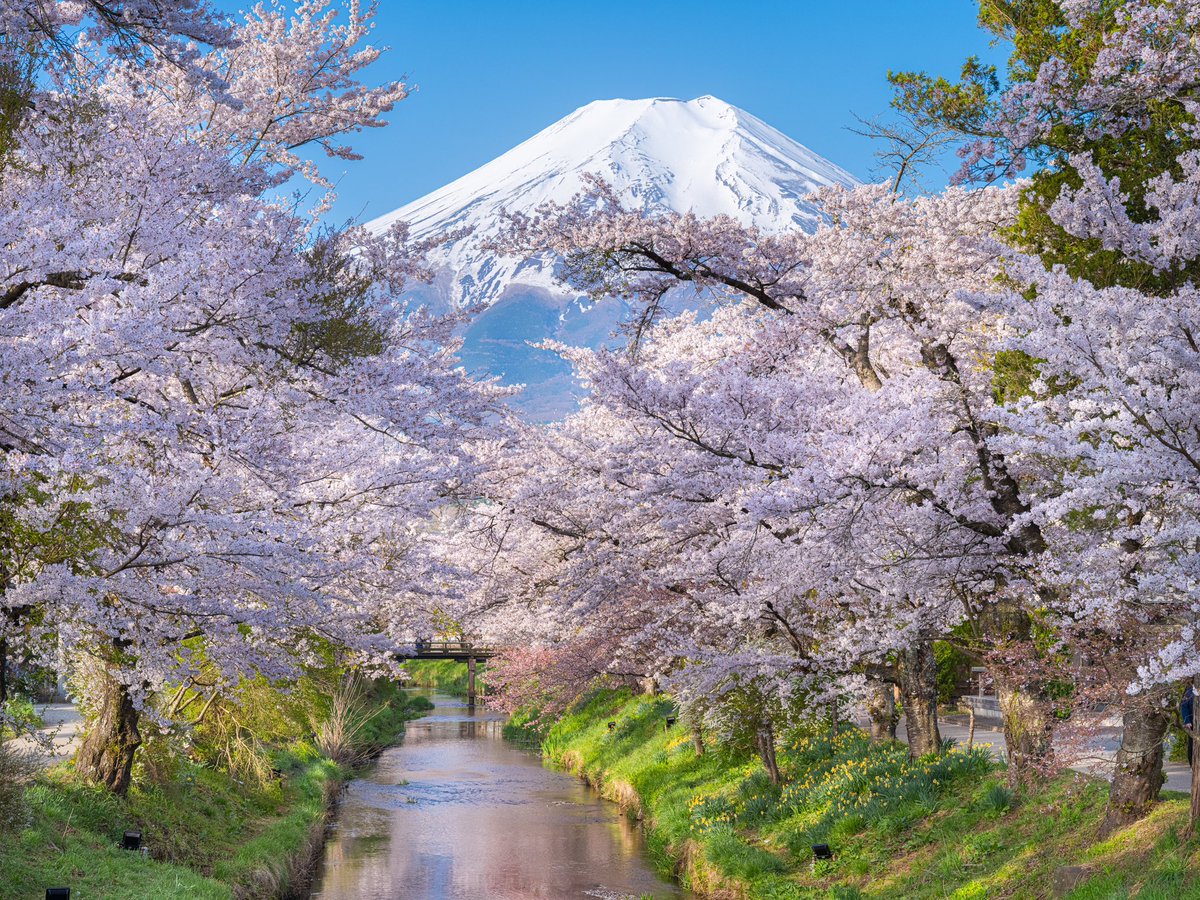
[210, 835]
[943, 827]
[445, 675]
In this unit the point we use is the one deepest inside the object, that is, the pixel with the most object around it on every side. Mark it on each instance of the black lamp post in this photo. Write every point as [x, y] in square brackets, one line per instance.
[131, 840]
[821, 851]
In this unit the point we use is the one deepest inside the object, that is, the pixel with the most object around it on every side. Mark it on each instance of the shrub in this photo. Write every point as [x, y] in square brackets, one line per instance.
[19, 717]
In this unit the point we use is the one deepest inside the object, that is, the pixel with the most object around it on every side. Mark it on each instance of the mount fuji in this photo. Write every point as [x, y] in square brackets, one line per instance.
[701, 155]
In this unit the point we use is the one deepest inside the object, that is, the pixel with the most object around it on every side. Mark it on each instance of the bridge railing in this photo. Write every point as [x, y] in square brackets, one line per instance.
[455, 648]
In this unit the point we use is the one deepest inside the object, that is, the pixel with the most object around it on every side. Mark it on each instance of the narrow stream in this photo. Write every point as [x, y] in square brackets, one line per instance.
[455, 812]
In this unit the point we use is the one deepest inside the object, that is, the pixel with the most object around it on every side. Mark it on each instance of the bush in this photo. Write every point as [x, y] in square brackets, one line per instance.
[953, 669]
[337, 734]
[19, 717]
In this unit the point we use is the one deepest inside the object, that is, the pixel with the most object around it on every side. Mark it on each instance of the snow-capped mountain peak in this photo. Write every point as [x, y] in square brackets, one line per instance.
[702, 155]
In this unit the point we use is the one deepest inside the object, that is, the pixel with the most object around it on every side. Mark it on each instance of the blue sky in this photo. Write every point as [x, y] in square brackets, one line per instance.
[491, 74]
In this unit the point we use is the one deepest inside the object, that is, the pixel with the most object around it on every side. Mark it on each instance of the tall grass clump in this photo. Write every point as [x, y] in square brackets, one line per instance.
[338, 733]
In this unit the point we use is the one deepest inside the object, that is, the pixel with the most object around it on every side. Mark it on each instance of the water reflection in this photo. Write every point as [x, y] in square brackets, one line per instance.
[454, 812]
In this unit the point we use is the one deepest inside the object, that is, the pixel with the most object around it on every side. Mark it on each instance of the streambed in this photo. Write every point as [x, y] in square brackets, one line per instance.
[456, 813]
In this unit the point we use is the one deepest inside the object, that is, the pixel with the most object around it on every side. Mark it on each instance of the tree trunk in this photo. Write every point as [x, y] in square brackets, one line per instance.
[106, 754]
[698, 739]
[881, 711]
[1194, 815]
[1026, 709]
[766, 750]
[918, 693]
[12, 617]
[1138, 776]
[1028, 731]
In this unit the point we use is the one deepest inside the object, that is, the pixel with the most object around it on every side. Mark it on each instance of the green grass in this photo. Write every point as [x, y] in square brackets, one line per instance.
[523, 729]
[392, 708]
[446, 675]
[210, 835]
[939, 827]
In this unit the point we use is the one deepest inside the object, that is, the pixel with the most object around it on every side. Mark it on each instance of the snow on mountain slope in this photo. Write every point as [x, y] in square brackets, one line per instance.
[701, 155]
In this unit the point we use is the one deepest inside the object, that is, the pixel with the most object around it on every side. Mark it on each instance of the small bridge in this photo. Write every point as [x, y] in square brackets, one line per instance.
[458, 651]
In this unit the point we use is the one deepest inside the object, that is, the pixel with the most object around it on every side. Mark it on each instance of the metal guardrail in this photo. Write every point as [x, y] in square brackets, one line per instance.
[985, 707]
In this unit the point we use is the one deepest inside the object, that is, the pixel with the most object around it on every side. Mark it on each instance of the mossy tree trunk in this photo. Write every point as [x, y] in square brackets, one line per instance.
[1028, 731]
[1026, 706]
[918, 693]
[882, 716]
[1138, 776]
[106, 754]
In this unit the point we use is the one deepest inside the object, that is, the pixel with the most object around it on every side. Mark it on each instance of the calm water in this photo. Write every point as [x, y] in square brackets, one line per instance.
[455, 812]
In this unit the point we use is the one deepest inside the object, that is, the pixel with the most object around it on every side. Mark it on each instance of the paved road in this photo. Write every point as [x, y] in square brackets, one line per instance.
[1100, 753]
[63, 729]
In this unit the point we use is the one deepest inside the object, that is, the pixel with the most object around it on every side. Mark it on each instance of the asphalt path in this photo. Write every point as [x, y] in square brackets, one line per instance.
[1096, 757]
[59, 737]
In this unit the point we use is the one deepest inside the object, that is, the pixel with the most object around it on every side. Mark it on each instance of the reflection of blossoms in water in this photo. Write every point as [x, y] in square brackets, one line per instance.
[489, 820]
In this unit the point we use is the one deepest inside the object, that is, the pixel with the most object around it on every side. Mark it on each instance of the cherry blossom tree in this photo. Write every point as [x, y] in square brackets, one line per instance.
[130, 28]
[895, 302]
[856, 381]
[255, 491]
[1101, 99]
[1112, 323]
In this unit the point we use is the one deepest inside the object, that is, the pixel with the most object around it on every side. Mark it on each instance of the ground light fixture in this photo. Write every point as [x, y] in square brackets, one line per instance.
[131, 840]
[58, 894]
[821, 851]
[670, 720]
[612, 726]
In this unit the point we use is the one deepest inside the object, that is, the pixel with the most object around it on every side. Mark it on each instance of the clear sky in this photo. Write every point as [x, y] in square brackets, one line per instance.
[490, 74]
